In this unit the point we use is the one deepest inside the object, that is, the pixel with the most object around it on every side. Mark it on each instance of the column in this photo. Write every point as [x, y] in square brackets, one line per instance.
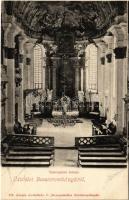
[120, 44]
[102, 96]
[47, 74]
[82, 79]
[9, 55]
[124, 28]
[109, 40]
[49, 78]
[54, 80]
[120, 54]
[28, 75]
[11, 88]
[80, 73]
[76, 79]
[109, 84]
[4, 81]
[101, 79]
[22, 40]
[44, 78]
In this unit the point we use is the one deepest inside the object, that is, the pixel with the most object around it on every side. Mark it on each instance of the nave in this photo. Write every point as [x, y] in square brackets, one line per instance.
[64, 83]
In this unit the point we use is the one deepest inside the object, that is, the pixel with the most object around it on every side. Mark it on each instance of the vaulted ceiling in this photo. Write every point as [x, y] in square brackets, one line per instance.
[84, 19]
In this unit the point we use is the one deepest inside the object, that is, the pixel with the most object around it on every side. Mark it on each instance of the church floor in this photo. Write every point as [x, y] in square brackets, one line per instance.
[65, 137]
[66, 158]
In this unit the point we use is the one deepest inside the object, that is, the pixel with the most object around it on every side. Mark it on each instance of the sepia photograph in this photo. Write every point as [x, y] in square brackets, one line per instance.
[64, 100]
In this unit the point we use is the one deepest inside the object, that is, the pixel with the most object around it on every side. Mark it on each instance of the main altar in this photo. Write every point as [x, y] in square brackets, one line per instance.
[65, 112]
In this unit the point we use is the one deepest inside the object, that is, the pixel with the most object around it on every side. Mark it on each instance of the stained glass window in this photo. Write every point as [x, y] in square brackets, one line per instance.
[38, 67]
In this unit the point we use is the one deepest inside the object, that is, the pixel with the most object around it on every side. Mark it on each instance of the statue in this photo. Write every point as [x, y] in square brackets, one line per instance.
[65, 103]
[49, 95]
[81, 96]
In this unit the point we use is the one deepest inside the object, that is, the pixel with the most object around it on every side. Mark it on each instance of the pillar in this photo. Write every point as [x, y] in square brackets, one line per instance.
[28, 81]
[102, 104]
[47, 74]
[82, 79]
[120, 54]
[124, 28]
[44, 78]
[109, 40]
[49, 78]
[120, 44]
[4, 81]
[54, 80]
[109, 84]
[76, 79]
[9, 44]
[28, 69]
[22, 40]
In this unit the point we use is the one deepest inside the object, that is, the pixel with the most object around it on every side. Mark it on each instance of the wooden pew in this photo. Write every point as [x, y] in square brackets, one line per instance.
[28, 150]
[101, 151]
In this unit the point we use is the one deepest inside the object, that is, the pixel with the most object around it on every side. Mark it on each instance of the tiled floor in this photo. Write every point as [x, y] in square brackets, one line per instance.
[65, 137]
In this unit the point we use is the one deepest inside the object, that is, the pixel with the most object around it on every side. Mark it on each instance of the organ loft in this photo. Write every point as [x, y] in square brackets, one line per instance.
[64, 80]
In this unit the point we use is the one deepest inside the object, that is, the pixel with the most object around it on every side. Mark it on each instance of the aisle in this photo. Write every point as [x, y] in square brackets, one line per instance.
[65, 137]
[66, 158]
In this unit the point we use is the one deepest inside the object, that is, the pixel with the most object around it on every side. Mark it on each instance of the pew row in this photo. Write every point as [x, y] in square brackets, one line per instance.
[101, 151]
[27, 150]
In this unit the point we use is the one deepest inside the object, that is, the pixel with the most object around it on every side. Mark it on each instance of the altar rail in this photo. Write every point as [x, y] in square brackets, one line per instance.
[28, 140]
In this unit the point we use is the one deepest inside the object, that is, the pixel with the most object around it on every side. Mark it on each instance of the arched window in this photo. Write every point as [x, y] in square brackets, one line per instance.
[92, 68]
[38, 60]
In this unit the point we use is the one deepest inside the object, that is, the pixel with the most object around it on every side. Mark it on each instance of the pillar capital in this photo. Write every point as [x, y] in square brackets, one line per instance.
[22, 40]
[50, 48]
[80, 49]
[125, 31]
[121, 18]
[109, 40]
[77, 67]
[28, 47]
[11, 31]
[54, 62]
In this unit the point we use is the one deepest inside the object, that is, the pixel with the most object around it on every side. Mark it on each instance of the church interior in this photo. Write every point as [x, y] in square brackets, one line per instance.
[64, 83]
